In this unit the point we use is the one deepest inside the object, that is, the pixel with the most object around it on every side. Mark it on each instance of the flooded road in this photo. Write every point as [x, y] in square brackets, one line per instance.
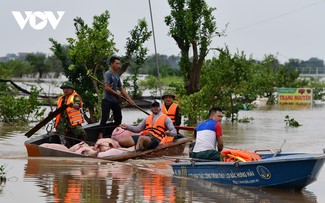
[90, 180]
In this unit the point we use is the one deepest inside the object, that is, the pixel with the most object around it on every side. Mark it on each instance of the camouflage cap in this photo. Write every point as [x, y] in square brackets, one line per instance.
[67, 84]
[167, 93]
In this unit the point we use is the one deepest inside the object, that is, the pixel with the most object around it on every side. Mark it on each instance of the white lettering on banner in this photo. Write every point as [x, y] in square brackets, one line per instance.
[38, 19]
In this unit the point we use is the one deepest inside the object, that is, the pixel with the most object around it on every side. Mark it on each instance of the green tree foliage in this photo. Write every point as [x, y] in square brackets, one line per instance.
[15, 109]
[136, 50]
[3, 177]
[39, 64]
[230, 81]
[318, 88]
[192, 25]
[15, 68]
[5, 72]
[311, 66]
[19, 109]
[89, 52]
[55, 65]
[227, 82]
[151, 83]
[168, 66]
[291, 122]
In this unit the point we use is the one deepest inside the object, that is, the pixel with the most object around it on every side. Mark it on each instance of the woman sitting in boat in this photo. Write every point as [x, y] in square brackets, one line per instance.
[208, 136]
[157, 128]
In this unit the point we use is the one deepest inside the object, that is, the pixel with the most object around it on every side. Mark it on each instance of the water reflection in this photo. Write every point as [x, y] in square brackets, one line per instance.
[80, 180]
[202, 191]
[92, 181]
[74, 181]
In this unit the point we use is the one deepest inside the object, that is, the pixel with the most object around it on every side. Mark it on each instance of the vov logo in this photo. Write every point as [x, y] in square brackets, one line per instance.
[38, 19]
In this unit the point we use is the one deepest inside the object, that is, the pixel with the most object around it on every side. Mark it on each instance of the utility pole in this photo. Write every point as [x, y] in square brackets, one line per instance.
[154, 42]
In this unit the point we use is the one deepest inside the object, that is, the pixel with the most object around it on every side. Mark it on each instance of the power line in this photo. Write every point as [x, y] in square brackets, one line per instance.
[275, 17]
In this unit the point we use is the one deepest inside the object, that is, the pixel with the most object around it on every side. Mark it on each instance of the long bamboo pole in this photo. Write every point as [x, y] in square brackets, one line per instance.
[136, 106]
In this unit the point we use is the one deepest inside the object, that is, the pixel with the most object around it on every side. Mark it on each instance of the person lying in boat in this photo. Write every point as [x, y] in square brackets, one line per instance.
[102, 148]
[157, 128]
[208, 136]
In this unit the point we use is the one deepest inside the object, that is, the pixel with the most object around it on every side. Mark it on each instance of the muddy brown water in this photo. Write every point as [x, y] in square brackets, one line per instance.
[151, 180]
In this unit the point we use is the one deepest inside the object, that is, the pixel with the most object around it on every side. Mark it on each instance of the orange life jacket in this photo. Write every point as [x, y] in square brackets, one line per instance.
[74, 115]
[171, 112]
[233, 155]
[67, 191]
[155, 189]
[156, 129]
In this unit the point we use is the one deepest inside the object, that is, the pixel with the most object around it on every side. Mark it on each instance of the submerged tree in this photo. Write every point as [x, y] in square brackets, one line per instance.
[192, 25]
[232, 81]
[227, 82]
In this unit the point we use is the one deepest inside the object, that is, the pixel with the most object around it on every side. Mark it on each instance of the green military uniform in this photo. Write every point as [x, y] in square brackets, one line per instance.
[72, 134]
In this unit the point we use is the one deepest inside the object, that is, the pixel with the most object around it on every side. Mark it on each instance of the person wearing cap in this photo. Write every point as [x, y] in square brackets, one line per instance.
[111, 97]
[171, 109]
[68, 123]
[154, 130]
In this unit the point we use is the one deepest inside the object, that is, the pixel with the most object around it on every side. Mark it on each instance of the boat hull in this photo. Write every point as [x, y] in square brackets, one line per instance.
[295, 170]
[35, 150]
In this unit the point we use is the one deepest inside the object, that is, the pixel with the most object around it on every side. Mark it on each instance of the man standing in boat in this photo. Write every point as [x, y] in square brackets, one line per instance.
[155, 129]
[111, 98]
[68, 123]
[208, 137]
[171, 109]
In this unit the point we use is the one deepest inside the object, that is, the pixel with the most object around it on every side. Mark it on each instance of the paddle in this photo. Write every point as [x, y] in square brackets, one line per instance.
[46, 120]
[136, 106]
[177, 159]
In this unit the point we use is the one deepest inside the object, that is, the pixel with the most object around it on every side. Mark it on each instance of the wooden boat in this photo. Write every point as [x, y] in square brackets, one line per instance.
[35, 150]
[276, 170]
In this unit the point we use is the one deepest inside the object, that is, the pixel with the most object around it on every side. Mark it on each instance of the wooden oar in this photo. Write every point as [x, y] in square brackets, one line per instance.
[188, 159]
[46, 120]
[136, 106]
[189, 128]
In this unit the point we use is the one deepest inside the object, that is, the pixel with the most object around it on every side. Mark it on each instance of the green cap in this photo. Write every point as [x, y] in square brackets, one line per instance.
[67, 84]
[168, 94]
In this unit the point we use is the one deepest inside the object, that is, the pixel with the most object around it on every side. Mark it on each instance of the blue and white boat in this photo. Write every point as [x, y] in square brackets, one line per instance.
[287, 170]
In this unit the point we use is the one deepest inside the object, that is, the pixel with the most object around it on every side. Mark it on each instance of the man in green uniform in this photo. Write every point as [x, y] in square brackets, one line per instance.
[68, 124]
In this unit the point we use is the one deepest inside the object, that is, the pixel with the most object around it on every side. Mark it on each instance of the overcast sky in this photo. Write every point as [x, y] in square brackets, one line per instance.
[284, 28]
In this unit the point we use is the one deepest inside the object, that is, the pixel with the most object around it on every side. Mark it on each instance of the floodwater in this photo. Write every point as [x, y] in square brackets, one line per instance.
[151, 180]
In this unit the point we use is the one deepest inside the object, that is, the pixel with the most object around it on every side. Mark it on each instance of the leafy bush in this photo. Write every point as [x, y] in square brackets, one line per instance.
[19, 109]
[291, 122]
